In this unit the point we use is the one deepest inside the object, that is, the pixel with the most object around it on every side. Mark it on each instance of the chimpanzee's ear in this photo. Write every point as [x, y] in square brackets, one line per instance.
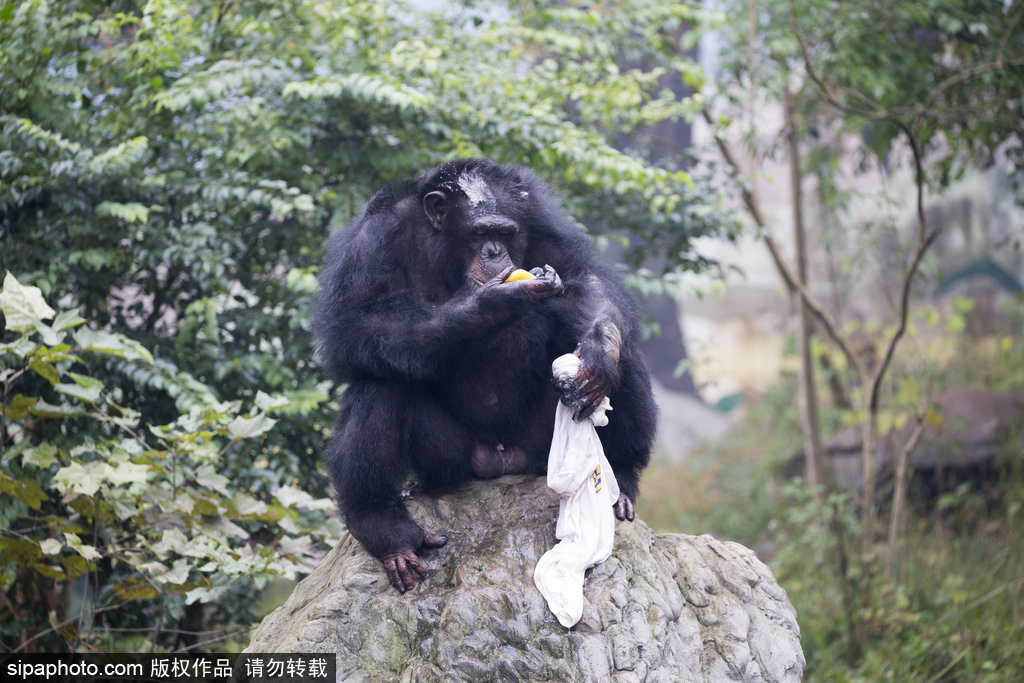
[435, 204]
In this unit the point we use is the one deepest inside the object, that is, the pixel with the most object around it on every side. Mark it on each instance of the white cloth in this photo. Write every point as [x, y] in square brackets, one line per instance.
[579, 471]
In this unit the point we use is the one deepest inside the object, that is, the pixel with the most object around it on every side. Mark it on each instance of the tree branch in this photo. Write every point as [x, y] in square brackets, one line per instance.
[924, 241]
[793, 283]
[877, 110]
[963, 76]
[924, 238]
[1008, 31]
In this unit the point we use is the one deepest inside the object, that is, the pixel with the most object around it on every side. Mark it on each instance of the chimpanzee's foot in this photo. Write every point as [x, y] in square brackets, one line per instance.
[492, 462]
[624, 508]
[400, 565]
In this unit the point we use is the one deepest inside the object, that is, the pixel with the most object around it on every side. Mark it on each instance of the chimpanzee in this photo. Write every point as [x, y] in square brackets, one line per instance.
[449, 365]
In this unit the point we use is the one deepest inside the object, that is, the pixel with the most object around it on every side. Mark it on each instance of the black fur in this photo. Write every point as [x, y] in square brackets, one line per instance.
[425, 350]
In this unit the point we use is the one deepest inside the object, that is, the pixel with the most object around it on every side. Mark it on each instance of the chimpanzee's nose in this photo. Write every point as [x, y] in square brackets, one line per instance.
[493, 250]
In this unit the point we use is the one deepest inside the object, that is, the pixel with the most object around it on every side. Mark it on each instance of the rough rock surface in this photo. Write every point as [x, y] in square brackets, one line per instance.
[664, 607]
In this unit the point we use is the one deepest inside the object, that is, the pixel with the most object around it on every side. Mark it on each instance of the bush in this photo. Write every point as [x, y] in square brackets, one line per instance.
[106, 524]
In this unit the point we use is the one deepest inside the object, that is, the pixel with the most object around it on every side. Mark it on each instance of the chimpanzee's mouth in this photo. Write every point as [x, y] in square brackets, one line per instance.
[482, 271]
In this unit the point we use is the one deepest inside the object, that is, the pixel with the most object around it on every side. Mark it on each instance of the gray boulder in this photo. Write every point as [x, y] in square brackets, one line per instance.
[664, 607]
[976, 424]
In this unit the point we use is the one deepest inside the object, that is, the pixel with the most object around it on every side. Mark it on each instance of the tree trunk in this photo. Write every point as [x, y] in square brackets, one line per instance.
[869, 458]
[817, 472]
[899, 495]
[853, 651]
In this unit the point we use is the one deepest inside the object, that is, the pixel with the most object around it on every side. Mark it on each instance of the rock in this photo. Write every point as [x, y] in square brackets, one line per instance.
[664, 607]
[976, 423]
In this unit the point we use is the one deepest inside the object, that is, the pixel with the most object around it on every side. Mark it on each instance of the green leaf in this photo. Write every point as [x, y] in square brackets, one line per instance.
[19, 550]
[84, 480]
[44, 409]
[50, 546]
[134, 589]
[46, 371]
[49, 572]
[86, 551]
[42, 456]
[27, 491]
[132, 212]
[303, 401]
[86, 394]
[205, 595]
[51, 337]
[292, 497]
[126, 473]
[74, 565]
[93, 259]
[209, 478]
[86, 381]
[267, 403]
[19, 407]
[22, 306]
[248, 427]
[225, 526]
[67, 319]
[171, 541]
[111, 344]
[21, 347]
[164, 574]
[246, 504]
[17, 448]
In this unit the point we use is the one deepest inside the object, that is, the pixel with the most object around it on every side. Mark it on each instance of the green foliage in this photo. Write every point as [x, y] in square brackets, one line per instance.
[953, 608]
[952, 613]
[145, 522]
[952, 72]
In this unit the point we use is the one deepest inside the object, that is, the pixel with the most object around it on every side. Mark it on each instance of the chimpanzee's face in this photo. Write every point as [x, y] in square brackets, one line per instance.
[478, 223]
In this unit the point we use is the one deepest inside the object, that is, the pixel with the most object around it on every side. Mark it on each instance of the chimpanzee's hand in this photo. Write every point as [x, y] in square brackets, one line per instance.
[546, 283]
[398, 564]
[584, 391]
[624, 508]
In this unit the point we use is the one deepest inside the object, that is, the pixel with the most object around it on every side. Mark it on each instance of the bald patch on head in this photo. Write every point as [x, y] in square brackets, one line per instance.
[477, 190]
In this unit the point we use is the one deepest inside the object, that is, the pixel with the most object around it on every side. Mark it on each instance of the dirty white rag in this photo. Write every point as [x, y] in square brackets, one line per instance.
[580, 473]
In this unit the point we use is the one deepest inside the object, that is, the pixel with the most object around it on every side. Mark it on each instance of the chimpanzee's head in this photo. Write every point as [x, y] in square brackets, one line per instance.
[476, 210]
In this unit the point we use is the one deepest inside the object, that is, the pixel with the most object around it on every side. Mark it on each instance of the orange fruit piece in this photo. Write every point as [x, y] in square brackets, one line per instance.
[520, 274]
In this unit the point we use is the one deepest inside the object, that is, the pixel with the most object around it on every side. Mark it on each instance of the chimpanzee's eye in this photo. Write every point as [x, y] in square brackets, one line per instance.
[479, 232]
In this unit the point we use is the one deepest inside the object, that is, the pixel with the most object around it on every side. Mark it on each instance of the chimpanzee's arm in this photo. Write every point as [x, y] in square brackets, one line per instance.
[401, 335]
[376, 319]
[600, 340]
[602, 321]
